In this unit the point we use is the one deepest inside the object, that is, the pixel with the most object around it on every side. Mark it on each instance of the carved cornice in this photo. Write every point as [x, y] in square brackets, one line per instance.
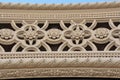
[101, 15]
[77, 6]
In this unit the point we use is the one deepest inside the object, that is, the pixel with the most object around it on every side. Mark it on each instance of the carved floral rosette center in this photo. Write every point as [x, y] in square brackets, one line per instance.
[101, 35]
[6, 36]
[30, 35]
[54, 34]
[60, 47]
[77, 34]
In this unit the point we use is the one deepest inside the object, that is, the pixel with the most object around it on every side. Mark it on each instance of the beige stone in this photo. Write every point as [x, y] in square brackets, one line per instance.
[72, 40]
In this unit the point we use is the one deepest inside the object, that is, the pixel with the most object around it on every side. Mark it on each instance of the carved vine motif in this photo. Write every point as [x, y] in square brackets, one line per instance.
[77, 36]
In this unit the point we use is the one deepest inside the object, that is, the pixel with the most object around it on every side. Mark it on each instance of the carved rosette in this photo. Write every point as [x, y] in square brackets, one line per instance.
[54, 36]
[101, 35]
[30, 35]
[77, 36]
[60, 43]
[6, 36]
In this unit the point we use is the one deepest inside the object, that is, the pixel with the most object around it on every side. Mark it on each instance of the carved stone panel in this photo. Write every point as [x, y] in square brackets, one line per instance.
[57, 43]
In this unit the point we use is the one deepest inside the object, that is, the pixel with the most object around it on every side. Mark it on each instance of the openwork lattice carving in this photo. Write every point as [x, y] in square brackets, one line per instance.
[76, 36]
[60, 43]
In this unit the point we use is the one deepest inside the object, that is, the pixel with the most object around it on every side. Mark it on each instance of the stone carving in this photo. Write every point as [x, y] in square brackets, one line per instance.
[30, 35]
[101, 33]
[77, 35]
[75, 45]
[116, 33]
[54, 34]
[51, 63]
[61, 72]
[6, 36]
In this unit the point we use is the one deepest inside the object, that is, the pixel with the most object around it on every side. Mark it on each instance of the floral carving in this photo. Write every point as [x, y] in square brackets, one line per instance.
[77, 34]
[6, 34]
[30, 35]
[101, 33]
[75, 37]
[54, 34]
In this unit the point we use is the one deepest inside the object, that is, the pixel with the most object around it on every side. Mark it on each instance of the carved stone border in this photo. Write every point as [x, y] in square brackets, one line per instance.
[56, 16]
[89, 54]
[60, 72]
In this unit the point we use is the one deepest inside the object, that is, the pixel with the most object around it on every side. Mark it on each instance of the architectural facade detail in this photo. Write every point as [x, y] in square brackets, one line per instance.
[30, 36]
[6, 36]
[101, 33]
[54, 41]
[54, 34]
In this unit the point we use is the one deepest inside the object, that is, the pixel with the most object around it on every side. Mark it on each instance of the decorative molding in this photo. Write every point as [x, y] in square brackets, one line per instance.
[22, 63]
[60, 43]
[101, 16]
[83, 54]
[71, 6]
[60, 72]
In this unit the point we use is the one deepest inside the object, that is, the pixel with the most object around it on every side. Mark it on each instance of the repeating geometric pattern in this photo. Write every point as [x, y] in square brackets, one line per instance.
[72, 40]
[32, 37]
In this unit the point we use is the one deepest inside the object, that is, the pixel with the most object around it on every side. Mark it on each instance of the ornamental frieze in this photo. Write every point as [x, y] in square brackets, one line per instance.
[57, 42]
